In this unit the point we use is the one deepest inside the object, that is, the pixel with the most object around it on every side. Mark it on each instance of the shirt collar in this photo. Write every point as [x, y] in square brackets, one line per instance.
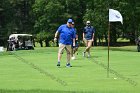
[88, 26]
[67, 26]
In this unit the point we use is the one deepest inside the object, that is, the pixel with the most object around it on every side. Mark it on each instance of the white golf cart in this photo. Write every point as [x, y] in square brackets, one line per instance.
[20, 41]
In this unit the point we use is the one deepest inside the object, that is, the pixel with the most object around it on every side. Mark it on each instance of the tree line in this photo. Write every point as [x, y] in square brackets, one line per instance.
[42, 18]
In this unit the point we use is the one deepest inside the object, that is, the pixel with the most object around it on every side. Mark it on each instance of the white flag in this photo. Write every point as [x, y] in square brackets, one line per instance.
[115, 16]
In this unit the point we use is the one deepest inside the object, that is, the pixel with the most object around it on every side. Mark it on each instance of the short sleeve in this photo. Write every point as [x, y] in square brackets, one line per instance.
[59, 29]
[93, 29]
[84, 29]
[74, 33]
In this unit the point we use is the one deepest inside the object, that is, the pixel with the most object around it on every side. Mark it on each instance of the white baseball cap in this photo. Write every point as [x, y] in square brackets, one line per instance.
[88, 22]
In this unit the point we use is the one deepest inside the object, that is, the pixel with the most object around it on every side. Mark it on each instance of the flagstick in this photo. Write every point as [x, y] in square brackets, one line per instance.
[114, 16]
[108, 48]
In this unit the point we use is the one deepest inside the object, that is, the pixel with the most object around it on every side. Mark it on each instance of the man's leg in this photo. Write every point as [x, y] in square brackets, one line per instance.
[60, 51]
[73, 53]
[68, 49]
[86, 44]
[89, 46]
[59, 58]
[76, 50]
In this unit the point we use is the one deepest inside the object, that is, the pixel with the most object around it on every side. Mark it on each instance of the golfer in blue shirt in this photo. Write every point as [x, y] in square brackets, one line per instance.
[66, 35]
[88, 37]
[74, 48]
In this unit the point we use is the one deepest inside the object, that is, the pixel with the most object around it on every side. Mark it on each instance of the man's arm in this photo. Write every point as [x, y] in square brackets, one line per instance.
[93, 37]
[83, 33]
[83, 36]
[76, 37]
[73, 41]
[93, 34]
[55, 36]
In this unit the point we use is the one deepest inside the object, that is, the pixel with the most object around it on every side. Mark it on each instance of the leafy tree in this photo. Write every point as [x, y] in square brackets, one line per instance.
[48, 16]
[5, 20]
[45, 16]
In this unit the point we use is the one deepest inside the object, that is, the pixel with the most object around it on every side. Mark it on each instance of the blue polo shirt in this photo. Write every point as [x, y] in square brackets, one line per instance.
[75, 32]
[66, 34]
[88, 31]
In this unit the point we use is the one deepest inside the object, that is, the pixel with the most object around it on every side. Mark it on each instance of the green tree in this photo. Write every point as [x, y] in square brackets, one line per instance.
[41, 16]
[96, 12]
[5, 20]
[48, 16]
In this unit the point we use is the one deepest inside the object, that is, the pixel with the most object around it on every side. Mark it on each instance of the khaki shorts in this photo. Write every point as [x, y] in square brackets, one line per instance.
[88, 41]
[66, 47]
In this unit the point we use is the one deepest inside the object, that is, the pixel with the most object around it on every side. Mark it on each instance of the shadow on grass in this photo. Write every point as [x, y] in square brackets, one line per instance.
[70, 67]
[25, 52]
[61, 91]
[39, 91]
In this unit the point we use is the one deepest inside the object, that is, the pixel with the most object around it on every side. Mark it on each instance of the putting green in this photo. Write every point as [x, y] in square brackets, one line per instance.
[35, 71]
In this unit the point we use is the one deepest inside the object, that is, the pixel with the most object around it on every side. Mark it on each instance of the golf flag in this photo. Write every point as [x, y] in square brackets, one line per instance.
[115, 16]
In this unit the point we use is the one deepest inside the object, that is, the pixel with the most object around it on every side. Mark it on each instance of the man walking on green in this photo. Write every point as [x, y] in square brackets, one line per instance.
[88, 37]
[66, 35]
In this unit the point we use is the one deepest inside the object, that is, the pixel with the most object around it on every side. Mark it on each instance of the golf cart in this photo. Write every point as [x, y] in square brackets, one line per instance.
[138, 44]
[20, 42]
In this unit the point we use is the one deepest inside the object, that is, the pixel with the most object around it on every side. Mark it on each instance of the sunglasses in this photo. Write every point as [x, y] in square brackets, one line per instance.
[70, 22]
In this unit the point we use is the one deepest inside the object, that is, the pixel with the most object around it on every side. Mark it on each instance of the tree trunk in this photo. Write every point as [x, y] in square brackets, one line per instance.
[41, 43]
[47, 43]
[95, 41]
[113, 38]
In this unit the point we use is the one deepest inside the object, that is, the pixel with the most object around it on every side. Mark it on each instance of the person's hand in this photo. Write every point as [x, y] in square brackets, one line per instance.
[73, 44]
[92, 40]
[55, 39]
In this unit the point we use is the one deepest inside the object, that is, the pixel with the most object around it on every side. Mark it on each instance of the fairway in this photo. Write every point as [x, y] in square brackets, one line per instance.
[35, 71]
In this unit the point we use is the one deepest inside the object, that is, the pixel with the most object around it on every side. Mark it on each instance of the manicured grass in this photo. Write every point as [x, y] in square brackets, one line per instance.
[35, 71]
